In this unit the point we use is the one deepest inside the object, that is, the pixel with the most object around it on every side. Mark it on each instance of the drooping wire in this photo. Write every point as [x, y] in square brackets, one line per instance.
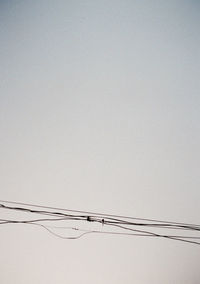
[95, 213]
[101, 219]
[114, 221]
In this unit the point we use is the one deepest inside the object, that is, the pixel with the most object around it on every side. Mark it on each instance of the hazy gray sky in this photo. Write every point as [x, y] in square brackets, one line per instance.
[100, 111]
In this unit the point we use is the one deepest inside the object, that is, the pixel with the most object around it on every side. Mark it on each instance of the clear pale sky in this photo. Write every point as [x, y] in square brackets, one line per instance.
[100, 111]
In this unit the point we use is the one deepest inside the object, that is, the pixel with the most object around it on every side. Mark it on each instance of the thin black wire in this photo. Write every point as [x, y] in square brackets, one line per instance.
[118, 233]
[100, 220]
[158, 235]
[140, 233]
[95, 213]
[103, 219]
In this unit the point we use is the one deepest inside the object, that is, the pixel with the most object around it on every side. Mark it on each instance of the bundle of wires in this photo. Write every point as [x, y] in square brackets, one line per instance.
[96, 223]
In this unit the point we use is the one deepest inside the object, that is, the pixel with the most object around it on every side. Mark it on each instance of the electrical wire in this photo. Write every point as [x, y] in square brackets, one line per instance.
[123, 223]
[95, 213]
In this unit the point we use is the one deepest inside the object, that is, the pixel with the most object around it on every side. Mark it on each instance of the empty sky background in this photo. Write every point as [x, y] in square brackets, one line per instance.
[100, 111]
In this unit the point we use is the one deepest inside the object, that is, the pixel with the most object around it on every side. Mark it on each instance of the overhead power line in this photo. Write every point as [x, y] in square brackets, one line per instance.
[134, 226]
[93, 213]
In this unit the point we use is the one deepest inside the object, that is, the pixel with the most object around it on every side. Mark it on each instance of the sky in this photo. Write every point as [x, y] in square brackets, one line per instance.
[100, 111]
